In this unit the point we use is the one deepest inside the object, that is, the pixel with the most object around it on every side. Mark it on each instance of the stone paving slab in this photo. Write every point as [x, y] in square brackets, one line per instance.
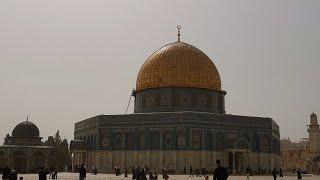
[74, 176]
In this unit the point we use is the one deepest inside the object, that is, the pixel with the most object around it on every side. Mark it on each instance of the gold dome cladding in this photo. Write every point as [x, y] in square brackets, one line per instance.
[178, 65]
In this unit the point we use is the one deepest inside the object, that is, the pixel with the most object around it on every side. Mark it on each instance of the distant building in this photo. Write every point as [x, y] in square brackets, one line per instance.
[24, 151]
[304, 154]
[179, 121]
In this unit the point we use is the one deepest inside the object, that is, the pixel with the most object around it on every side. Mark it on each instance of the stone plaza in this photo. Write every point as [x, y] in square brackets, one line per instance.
[74, 176]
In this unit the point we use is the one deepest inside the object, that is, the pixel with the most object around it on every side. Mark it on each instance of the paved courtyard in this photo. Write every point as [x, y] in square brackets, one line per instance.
[73, 176]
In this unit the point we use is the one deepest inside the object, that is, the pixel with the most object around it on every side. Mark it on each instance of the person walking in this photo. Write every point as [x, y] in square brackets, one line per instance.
[143, 175]
[13, 175]
[43, 174]
[280, 172]
[6, 173]
[125, 172]
[299, 176]
[82, 172]
[274, 173]
[248, 171]
[220, 173]
[155, 175]
[191, 172]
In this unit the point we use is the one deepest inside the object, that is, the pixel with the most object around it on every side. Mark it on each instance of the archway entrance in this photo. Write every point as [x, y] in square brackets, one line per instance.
[3, 159]
[238, 161]
[38, 161]
[19, 160]
[239, 157]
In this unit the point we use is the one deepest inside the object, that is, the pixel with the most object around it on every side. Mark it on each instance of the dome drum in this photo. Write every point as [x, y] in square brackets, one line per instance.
[179, 99]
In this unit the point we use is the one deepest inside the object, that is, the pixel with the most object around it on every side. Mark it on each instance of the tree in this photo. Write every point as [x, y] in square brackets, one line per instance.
[6, 139]
[50, 141]
[57, 138]
[62, 153]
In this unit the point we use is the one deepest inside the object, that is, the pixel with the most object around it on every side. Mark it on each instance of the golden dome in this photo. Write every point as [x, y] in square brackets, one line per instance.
[178, 65]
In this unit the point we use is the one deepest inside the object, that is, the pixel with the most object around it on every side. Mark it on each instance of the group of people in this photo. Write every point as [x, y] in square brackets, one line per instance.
[9, 174]
[141, 174]
[197, 172]
[275, 173]
[138, 173]
[94, 170]
[220, 173]
[117, 170]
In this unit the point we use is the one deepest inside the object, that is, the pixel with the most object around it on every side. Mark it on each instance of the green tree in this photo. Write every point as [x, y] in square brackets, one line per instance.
[62, 153]
[57, 138]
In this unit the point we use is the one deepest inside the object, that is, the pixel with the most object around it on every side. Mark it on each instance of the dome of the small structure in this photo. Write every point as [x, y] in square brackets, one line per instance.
[26, 129]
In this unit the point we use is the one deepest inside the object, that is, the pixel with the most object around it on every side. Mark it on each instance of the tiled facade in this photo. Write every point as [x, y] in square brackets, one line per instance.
[178, 139]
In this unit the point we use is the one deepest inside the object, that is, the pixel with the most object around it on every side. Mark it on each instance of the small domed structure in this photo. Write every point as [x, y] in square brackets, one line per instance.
[26, 129]
[26, 151]
[313, 116]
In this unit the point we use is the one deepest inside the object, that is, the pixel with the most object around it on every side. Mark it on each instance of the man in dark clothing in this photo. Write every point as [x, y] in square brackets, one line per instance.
[220, 173]
[274, 173]
[13, 175]
[43, 174]
[299, 176]
[6, 173]
[280, 172]
[191, 172]
[82, 172]
[125, 172]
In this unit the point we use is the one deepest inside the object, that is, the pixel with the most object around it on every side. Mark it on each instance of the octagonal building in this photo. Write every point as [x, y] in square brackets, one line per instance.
[179, 121]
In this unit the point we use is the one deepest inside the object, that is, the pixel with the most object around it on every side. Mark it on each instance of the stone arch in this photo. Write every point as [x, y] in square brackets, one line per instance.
[264, 143]
[2, 153]
[19, 161]
[52, 153]
[38, 153]
[117, 141]
[18, 153]
[220, 142]
[3, 159]
[242, 144]
[239, 159]
[38, 160]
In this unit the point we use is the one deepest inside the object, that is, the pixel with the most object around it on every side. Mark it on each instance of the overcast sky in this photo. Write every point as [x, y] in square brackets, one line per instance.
[65, 61]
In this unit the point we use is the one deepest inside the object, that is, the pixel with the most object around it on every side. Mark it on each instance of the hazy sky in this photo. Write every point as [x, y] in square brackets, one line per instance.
[65, 61]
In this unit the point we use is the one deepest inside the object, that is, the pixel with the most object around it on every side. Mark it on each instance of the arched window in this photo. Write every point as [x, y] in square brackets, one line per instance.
[220, 144]
[142, 143]
[264, 143]
[117, 141]
[196, 139]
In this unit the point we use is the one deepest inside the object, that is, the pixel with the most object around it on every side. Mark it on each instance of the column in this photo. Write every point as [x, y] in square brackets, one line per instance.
[8, 155]
[123, 155]
[190, 151]
[233, 162]
[147, 148]
[202, 149]
[46, 159]
[135, 144]
[161, 151]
